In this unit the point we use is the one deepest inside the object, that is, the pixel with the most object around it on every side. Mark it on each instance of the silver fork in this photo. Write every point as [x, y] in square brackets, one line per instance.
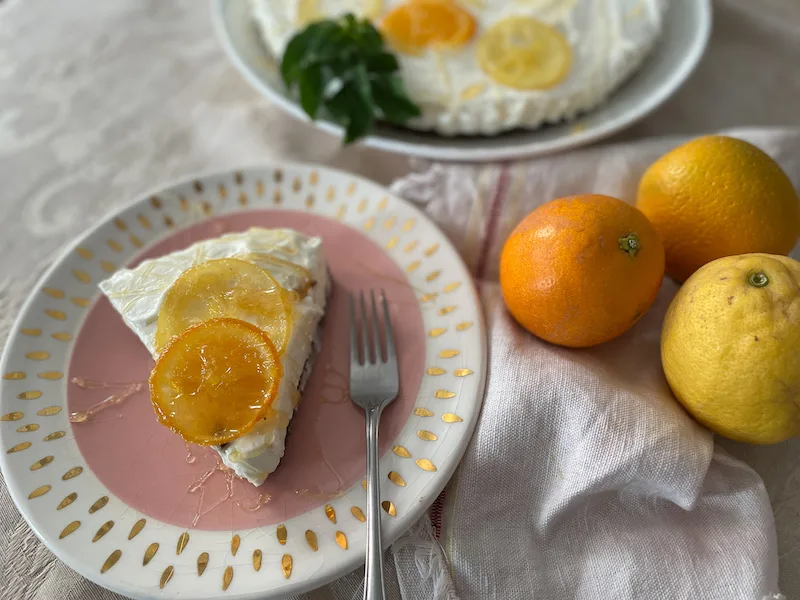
[373, 386]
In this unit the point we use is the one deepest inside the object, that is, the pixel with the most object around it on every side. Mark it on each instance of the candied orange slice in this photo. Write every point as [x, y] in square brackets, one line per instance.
[419, 24]
[524, 53]
[226, 287]
[215, 381]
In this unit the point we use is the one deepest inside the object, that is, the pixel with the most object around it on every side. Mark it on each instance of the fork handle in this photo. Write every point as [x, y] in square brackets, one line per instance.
[373, 581]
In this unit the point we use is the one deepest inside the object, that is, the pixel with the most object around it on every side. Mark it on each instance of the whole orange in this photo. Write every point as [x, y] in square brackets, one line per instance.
[718, 196]
[582, 270]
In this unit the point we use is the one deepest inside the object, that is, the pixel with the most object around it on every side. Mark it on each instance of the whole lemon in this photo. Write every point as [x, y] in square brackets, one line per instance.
[718, 196]
[730, 343]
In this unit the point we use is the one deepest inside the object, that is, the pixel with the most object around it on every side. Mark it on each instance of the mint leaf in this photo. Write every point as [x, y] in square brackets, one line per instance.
[341, 69]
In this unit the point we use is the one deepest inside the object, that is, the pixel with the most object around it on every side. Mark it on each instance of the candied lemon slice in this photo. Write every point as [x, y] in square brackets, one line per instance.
[419, 24]
[215, 381]
[523, 53]
[226, 287]
[309, 11]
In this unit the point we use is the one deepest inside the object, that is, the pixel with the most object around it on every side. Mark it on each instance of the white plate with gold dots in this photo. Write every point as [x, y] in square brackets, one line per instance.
[126, 503]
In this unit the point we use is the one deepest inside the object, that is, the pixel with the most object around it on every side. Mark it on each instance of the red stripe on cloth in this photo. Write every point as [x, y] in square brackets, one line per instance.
[437, 508]
[495, 208]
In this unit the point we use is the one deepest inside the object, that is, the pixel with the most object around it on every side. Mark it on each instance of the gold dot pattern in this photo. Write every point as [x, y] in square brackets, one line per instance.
[385, 222]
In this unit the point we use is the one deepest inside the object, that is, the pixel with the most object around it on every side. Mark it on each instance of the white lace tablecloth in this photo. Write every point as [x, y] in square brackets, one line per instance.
[101, 101]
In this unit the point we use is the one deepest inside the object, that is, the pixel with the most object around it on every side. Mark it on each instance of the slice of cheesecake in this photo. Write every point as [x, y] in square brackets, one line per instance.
[146, 296]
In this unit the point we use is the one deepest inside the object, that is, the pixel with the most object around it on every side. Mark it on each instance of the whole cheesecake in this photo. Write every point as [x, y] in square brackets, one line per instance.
[488, 66]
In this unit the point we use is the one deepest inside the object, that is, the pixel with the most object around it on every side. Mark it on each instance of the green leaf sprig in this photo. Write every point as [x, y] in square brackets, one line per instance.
[342, 70]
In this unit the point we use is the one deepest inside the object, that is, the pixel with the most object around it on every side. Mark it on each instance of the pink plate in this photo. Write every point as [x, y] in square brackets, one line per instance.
[156, 473]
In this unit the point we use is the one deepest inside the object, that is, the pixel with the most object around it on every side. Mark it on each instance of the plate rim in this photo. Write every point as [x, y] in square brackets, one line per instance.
[701, 16]
[404, 521]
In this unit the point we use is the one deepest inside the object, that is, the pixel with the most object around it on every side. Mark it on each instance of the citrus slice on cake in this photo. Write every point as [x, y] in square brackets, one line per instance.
[215, 381]
[416, 25]
[524, 53]
[226, 288]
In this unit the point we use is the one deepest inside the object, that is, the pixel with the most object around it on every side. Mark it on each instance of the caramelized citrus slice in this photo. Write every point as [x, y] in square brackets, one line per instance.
[215, 381]
[523, 53]
[226, 287]
[419, 24]
[309, 11]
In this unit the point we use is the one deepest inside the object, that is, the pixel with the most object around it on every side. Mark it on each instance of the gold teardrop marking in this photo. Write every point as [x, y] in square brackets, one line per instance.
[166, 576]
[428, 436]
[435, 371]
[69, 499]
[462, 372]
[235, 543]
[42, 462]
[104, 529]
[58, 315]
[69, 529]
[396, 479]
[286, 565]
[12, 416]
[72, 473]
[451, 287]
[449, 353]
[39, 491]
[341, 539]
[100, 503]
[436, 332]
[62, 336]
[389, 508]
[82, 276]
[54, 293]
[137, 528]
[330, 513]
[183, 539]
[227, 578]
[51, 376]
[423, 412]
[425, 464]
[451, 418]
[111, 560]
[358, 514]
[257, 559]
[401, 451]
[56, 435]
[27, 428]
[49, 411]
[311, 538]
[14, 375]
[31, 332]
[19, 447]
[431, 250]
[444, 394]
[464, 325]
[150, 553]
[38, 355]
[29, 395]
[202, 563]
